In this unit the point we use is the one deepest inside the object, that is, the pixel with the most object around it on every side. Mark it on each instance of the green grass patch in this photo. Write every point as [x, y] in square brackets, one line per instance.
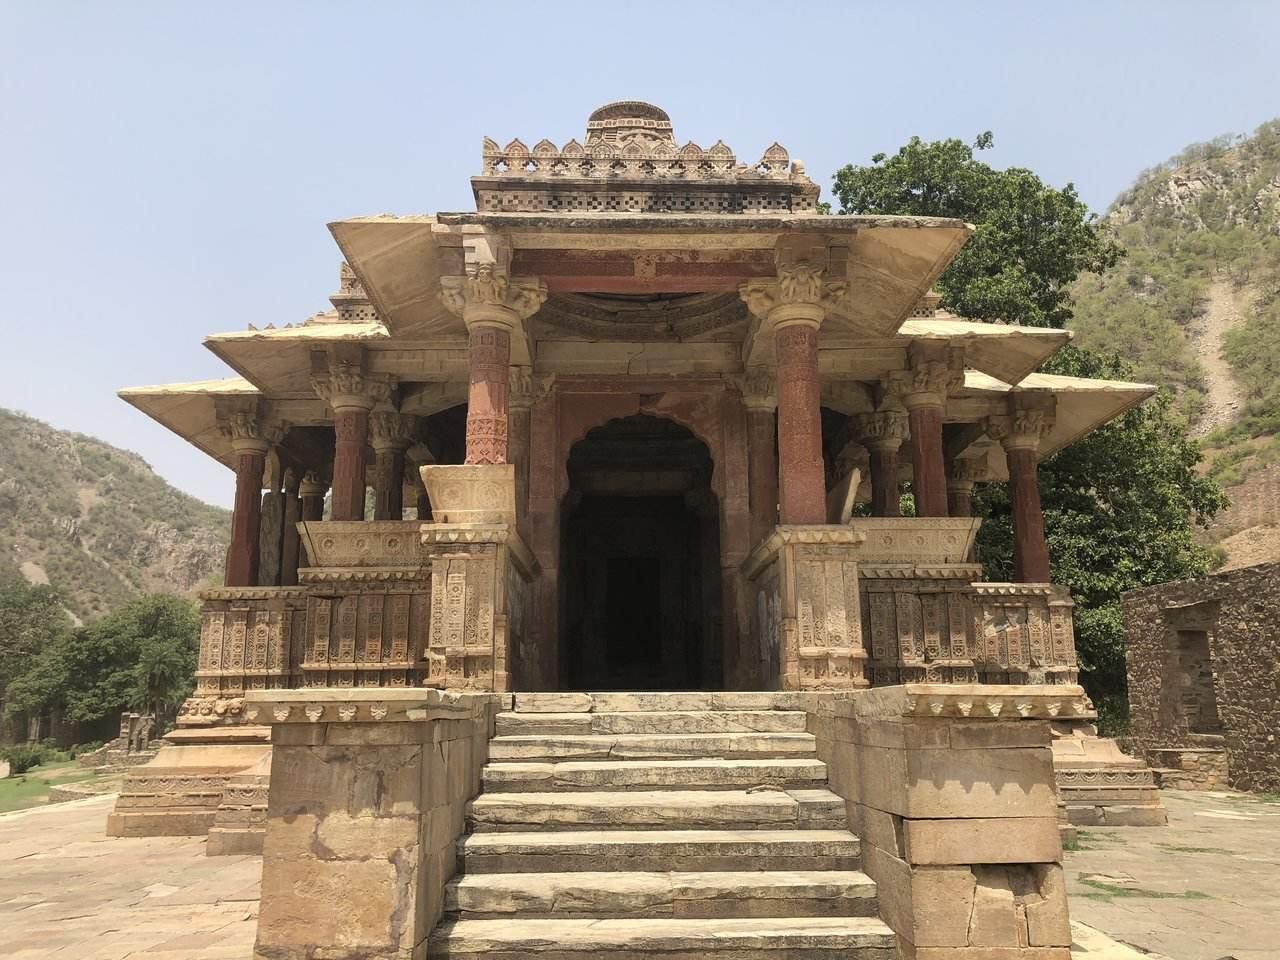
[1178, 849]
[1107, 892]
[32, 789]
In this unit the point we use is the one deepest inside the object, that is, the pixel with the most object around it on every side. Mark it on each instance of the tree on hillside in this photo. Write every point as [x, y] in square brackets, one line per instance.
[32, 619]
[1121, 504]
[141, 656]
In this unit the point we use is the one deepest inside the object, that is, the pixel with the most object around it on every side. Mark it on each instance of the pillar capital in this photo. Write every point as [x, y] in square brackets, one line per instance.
[392, 431]
[486, 296]
[964, 473]
[251, 433]
[312, 485]
[925, 384]
[346, 386]
[759, 387]
[882, 430]
[526, 387]
[1021, 429]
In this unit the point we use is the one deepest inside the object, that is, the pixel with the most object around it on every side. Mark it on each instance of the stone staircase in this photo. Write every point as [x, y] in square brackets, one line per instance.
[654, 825]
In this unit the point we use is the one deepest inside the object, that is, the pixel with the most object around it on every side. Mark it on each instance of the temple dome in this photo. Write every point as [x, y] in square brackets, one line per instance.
[629, 121]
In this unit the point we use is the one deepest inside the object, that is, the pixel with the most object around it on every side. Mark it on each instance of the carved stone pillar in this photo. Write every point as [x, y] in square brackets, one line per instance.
[311, 492]
[290, 544]
[759, 395]
[250, 440]
[523, 388]
[351, 394]
[494, 307]
[923, 391]
[793, 306]
[882, 434]
[391, 435]
[420, 455]
[961, 477]
[1020, 434]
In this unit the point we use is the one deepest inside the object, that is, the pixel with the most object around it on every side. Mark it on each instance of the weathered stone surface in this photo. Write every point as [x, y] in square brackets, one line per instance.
[620, 849]
[650, 746]
[742, 939]
[983, 840]
[713, 774]
[651, 722]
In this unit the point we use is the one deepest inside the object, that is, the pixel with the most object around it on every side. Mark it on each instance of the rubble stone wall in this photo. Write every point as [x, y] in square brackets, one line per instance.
[1239, 612]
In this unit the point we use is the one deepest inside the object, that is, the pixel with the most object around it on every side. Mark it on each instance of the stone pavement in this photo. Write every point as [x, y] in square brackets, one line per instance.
[1203, 888]
[70, 892]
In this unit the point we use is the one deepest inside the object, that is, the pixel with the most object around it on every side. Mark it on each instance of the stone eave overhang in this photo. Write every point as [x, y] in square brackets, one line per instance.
[892, 261]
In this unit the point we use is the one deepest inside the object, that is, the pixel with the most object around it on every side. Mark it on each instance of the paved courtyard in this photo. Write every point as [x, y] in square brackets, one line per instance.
[1203, 889]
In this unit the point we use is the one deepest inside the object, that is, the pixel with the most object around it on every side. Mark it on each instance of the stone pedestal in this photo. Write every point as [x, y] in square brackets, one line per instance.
[806, 624]
[1098, 784]
[367, 800]
[950, 788]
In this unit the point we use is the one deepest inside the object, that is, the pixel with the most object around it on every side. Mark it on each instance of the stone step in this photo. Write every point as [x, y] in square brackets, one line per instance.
[713, 774]
[645, 701]
[651, 721]
[767, 808]
[667, 850]
[758, 808]
[780, 938]
[651, 746]
[758, 893]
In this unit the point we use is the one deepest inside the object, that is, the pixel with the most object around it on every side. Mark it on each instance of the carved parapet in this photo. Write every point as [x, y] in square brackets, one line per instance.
[973, 702]
[336, 548]
[471, 493]
[481, 604]
[1024, 633]
[806, 624]
[249, 639]
[917, 540]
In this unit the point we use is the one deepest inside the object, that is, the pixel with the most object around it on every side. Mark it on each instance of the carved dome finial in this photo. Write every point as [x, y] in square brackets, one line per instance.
[630, 122]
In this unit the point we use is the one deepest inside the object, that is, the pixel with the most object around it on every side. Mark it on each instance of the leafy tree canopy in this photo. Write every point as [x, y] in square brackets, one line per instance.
[1031, 241]
[142, 656]
[1122, 503]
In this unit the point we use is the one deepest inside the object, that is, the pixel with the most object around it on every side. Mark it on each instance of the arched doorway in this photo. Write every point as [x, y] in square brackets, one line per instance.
[640, 561]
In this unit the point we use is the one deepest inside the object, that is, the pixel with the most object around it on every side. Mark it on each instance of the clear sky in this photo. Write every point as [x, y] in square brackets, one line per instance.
[167, 169]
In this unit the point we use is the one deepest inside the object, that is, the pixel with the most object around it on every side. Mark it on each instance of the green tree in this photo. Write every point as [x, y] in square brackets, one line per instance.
[1122, 503]
[32, 620]
[141, 656]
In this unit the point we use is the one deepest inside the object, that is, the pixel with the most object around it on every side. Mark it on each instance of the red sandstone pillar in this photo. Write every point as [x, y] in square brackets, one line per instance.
[392, 433]
[351, 440]
[801, 480]
[489, 357]
[311, 493]
[882, 434]
[290, 543]
[246, 515]
[1030, 548]
[929, 476]
[960, 479]
[420, 455]
[759, 394]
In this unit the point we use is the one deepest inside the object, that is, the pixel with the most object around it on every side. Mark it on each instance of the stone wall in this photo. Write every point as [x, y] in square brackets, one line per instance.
[1238, 612]
[367, 800]
[951, 789]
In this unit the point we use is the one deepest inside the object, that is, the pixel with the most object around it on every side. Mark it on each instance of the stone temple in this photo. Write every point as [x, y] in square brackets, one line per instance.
[570, 611]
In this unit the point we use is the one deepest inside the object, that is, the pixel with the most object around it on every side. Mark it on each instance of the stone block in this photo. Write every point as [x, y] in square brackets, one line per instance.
[995, 921]
[982, 840]
[1048, 920]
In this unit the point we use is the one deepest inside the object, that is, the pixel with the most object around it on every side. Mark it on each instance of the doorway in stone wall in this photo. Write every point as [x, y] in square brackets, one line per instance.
[639, 561]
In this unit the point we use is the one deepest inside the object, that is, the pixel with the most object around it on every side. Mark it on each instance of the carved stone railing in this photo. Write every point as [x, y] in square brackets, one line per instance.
[806, 623]
[1024, 633]
[916, 598]
[250, 639]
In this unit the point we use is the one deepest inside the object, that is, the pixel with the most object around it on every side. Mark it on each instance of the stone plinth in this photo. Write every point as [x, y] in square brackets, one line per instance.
[1098, 784]
[950, 787]
[367, 800]
[806, 623]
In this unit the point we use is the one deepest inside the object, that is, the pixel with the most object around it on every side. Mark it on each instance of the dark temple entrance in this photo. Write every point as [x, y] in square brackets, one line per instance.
[640, 561]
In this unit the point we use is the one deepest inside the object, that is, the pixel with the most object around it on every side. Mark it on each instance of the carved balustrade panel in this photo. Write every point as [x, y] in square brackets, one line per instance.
[1025, 633]
[919, 621]
[250, 639]
[807, 620]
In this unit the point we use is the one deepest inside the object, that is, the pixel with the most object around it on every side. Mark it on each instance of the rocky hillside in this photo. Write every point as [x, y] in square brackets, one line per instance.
[96, 522]
[1196, 305]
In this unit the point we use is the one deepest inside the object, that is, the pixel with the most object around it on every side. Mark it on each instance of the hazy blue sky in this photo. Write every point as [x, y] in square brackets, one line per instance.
[167, 168]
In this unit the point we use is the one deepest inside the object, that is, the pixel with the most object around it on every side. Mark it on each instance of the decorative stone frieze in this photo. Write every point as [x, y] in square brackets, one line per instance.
[807, 619]
[367, 543]
[1025, 633]
[923, 541]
